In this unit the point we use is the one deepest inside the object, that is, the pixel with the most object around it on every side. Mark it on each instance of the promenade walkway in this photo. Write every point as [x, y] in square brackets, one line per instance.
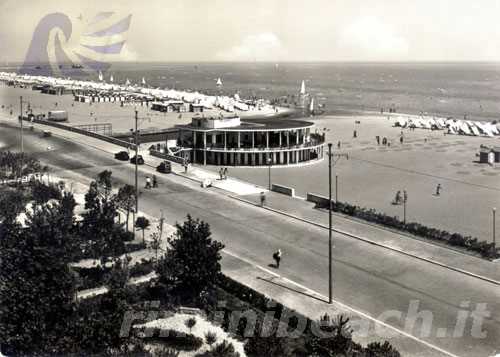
[408, 244]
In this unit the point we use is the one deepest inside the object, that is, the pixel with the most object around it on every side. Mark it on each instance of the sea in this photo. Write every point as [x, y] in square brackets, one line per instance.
[444, 89]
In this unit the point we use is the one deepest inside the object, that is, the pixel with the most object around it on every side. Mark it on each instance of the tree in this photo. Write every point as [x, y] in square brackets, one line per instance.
[126, 199]
[36, 285]
[223, 349]
[210, 338]
[99, 231]
[104, 183]
[190, 323]
[191, 265]
[142, 223]
[12, 203]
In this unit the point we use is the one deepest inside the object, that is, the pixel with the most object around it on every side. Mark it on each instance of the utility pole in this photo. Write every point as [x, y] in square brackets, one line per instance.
[136, 170]
[269, 161]
[330, 208]
[21, 116]
[494, 228]
[405, 198]
[336, 189]
[330, 278]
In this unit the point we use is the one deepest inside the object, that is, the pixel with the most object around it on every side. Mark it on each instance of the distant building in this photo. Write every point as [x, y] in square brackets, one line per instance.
[170, 106]
[489, 155]
[196, 108]
[229, 141]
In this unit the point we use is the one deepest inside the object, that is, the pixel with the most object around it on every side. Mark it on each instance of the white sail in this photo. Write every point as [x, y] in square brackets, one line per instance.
[111, 78]
[100, 76]
[143, 81]
[127, 82]
[303, 88]
[311, 106]
[219, 82]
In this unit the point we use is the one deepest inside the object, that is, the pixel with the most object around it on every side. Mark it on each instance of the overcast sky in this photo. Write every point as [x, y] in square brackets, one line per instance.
[275, 30]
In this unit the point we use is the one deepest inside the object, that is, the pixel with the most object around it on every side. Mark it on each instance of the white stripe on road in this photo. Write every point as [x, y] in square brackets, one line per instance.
[358, 312]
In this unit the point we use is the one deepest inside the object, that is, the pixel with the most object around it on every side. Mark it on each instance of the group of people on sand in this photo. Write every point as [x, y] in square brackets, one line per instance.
[400, 199]
[384, 141]
[223, 173]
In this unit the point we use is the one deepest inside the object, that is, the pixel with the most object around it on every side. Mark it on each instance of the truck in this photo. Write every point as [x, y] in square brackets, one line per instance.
[57, 115]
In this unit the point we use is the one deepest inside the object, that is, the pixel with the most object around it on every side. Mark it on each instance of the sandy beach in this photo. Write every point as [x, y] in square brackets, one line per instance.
[370, 177]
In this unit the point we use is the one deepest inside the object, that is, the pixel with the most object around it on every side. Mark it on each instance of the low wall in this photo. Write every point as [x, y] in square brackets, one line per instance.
[318, 199]
[161, 155]
[108, 139]
[283, 189]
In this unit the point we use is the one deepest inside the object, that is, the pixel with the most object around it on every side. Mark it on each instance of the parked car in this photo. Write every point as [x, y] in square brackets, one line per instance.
[165, 167]
[140, 160]
[122, 155]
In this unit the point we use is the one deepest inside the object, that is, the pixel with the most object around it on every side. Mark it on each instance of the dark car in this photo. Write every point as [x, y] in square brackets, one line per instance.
[165, 167]
[122, 155]
[140, 160]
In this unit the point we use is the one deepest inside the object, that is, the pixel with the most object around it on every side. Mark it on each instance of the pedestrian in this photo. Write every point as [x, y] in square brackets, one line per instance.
[401, 139]
[225, 173]
[355, 134]
[338, 145]
[438, 189]
[397, 199]
[405, 196]
[378, 139]
[185, 167]
[221, 173]
[155, 182]
[148, 182]
[277, 258]
[262, 199]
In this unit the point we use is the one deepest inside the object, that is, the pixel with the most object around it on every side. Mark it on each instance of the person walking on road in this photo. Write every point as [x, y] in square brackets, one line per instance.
[225, 173]
[148, 182]
[277, 258]
[221, 173]
[155, 182]
[438, 189]
[262, 199]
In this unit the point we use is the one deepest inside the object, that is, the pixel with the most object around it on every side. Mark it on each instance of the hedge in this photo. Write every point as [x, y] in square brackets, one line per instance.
[483, 248]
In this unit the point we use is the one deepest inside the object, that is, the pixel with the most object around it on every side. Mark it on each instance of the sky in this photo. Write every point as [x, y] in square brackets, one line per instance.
[270, 30]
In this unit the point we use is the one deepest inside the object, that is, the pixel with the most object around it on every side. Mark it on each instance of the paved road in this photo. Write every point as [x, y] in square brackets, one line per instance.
[367, 278]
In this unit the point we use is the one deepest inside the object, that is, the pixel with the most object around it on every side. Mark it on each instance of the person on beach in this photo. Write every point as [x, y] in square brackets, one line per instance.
[262, 199]
[355, 134]
[438, 189]
[155, 182]
[378, 139]
[338, 145]
[277, 258]
[401, 139]
[225, 173]
[221, 173]
[397, 199]
[148, 182]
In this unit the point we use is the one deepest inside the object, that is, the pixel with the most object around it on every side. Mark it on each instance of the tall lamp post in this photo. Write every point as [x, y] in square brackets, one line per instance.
[269, 162]
[330, 261]
[494, 211]
[405, 198]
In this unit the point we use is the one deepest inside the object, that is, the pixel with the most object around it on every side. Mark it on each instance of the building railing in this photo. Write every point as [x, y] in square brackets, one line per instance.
[234, 147]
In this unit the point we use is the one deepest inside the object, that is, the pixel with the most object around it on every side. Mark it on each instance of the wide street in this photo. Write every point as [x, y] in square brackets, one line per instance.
[367, 278]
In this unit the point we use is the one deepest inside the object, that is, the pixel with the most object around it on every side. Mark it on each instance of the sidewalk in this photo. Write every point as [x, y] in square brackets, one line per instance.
[378, 235]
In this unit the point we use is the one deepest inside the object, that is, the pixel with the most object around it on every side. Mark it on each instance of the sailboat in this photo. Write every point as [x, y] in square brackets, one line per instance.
[303, 88]
[143, 81]
[127, 82]
[311, 106]
[100, 76]
[111, 78]
[219, 82]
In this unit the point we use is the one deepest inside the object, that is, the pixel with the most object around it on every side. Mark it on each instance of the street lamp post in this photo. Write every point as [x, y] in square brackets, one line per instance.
[269, 161]
[405, 198]
[330, 208]
[136, 169]
[330, 278]
[494, 227]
